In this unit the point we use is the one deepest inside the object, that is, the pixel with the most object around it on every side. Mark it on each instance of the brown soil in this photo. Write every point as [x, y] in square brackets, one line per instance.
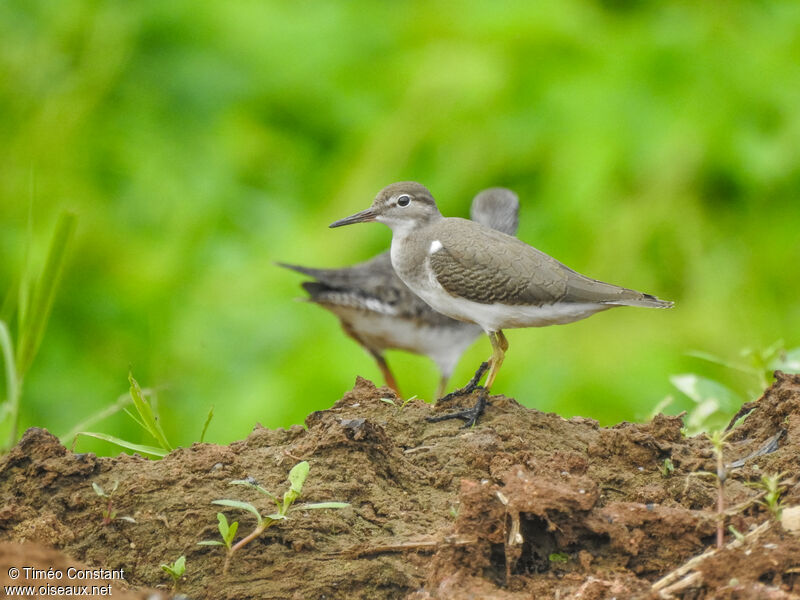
[525, 505]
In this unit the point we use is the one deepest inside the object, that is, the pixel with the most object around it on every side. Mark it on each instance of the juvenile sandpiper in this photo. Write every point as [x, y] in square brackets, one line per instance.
[475, 274]
[379, 312]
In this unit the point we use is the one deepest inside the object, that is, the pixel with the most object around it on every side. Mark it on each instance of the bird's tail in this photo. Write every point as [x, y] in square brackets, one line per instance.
[644, 300]
[299, 269]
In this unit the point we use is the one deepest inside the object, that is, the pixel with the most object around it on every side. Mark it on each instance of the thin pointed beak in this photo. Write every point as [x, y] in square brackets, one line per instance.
[360, 217]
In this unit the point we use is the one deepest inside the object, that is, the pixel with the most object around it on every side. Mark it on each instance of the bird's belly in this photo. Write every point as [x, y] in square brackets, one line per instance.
[444, 345]
[492, 317]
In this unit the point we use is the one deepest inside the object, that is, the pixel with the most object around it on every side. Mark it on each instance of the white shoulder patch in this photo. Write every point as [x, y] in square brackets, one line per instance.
[436, 245]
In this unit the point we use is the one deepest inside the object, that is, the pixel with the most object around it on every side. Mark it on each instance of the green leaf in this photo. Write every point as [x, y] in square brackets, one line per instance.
[176, 569]
[232, 533]
[253, 485]
[288, 499]
[275, 517]
[10, 407]
[788, 362]
[224, 528]
[151, 450]
[714, 401]
[149, 420]
[104, 413]
[240, 505]
[179, 566]
[318, 505]
[9, 302]
[206, 424]
[722, 362]
[297, 476]
[34, 322]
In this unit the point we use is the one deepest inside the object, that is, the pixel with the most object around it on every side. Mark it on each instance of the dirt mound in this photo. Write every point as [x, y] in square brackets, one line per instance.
[525, 504]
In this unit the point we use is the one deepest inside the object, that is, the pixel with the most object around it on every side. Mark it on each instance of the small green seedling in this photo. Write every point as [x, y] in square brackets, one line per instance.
[667, 468]
[719, 440]
[297, 477]
[175, 570]
[109, 512]
[736, 533]
[396, 405]
[558, 557]
[773, 486]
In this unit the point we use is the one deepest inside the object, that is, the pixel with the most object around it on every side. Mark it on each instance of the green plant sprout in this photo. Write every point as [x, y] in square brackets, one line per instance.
[297, 477]
[109, 512]
[736, 533]
[759, 364]
[718, 440]
[714, 401]
[175, 570]
[401, 406]
[773, 486]
[667, 468]
[147, 417]
[30, 300]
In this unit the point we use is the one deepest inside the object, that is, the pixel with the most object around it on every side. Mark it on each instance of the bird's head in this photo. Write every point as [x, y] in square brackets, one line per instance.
[403, 206]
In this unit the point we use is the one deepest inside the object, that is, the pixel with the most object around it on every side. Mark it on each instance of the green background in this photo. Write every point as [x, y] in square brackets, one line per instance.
[654, 145]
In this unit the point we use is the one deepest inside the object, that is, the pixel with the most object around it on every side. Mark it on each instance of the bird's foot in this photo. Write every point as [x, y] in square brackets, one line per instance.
[469, 388]
[470, 416]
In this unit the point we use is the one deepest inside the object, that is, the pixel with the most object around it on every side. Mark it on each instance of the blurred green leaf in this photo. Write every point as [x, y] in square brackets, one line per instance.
[714, 402]
[32, 326]
[788, 361]
[150, 450]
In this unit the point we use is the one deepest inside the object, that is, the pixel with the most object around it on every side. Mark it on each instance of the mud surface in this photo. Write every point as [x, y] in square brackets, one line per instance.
[525, 505]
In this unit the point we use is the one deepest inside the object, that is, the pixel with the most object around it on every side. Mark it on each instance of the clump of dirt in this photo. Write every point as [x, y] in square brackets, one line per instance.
[526, 504]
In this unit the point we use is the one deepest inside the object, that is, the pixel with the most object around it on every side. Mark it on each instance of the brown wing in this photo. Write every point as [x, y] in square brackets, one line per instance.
[485, 266]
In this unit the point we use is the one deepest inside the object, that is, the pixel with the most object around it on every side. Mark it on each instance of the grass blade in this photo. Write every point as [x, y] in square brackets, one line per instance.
[151, 450]
[207, 423]
[33, 321]
[113, 409]
[149, 420]
[10, 408]
[9, 307]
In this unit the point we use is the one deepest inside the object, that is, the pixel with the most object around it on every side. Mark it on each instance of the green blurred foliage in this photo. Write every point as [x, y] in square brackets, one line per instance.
[654, 145]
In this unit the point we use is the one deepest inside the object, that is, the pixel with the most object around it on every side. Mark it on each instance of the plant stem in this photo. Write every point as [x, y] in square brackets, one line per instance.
[244, 541]
[721, 475]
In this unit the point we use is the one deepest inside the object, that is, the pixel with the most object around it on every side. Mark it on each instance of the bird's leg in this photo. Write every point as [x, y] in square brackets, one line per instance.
[470, 387]
[442, 386]
[471, 415]
[387, 373]
[499, 347]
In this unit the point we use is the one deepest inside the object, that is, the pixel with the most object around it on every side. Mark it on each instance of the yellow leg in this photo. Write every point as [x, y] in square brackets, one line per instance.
[499, 347]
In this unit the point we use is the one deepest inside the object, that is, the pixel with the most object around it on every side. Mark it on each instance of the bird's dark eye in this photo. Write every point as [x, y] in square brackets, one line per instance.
[403, 200]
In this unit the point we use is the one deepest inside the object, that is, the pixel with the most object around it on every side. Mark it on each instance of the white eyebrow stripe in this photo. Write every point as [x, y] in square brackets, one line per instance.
[436, 245]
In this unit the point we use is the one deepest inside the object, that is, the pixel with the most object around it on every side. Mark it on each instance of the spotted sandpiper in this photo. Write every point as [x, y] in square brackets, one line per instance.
[379, 312]
[475, 274]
